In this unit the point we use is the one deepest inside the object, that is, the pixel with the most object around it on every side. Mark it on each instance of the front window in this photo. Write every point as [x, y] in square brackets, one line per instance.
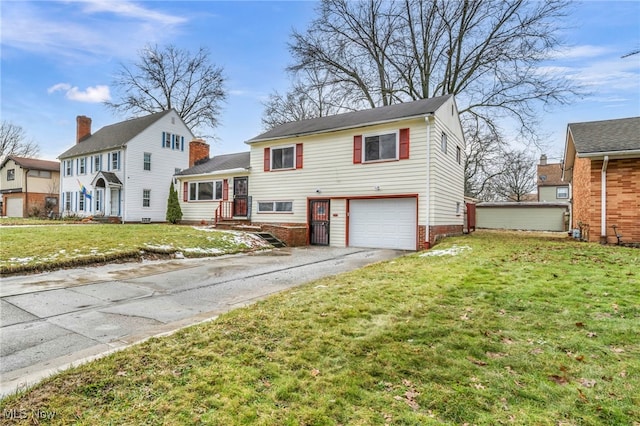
[11, 174]
[82, 167]
[380, 147]
[96, 163]
[205, 191]
[146, 197]
[45, 174]
[115, 160]
[283, 158]
[275, 206]
[67, 201]
[81, 201]
[562, 192]
[147, 161]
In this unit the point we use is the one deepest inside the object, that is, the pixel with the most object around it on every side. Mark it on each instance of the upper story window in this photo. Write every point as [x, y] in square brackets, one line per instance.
[562, 192]
[97, 163]
[381, 147]
[173, 141]
[282, 158]
[147, 161]
[82, 165]
[458, 155]
[11, 174]
[443, 143]
[205, 191]
[68, 167]
[45, 174]
[115, 160]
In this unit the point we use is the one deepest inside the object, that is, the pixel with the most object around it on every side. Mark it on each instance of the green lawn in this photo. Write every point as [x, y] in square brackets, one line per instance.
[512, 329]
[35, 248]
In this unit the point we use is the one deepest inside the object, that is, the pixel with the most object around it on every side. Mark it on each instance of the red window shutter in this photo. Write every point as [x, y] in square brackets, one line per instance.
[298, 156]
[357, 149]
[404, 144]
[267, 159]
[185, 192]
[225, 189]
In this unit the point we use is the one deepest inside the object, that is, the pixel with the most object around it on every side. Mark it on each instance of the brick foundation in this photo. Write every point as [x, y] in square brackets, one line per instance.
[293, 234]
[438, 232]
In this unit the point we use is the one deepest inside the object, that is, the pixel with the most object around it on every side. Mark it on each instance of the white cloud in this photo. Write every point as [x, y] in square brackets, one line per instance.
[582, 52]
[94, 94]
[131, 10]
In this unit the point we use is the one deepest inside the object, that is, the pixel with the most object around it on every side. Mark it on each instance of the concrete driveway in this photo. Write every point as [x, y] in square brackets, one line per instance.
[51, 321]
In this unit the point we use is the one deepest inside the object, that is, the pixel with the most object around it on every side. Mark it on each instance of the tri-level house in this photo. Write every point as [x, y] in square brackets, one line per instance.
[123, 171]
[29, 187]
[389, 177]
[602, 164]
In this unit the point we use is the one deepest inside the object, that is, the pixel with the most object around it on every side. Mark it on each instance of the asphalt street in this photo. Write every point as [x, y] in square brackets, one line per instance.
[51, 321]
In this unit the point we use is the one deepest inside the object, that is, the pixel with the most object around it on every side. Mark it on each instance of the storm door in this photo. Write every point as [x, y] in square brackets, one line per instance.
[319, 222]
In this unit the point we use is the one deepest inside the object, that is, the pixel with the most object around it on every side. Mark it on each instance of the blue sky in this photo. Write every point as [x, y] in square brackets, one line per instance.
[58, 59]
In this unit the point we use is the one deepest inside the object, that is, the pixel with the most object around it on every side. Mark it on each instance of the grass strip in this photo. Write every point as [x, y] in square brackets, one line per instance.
[512, 329]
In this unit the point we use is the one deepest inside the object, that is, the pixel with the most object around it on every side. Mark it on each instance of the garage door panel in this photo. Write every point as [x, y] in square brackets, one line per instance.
[383, 223]
[14, 207]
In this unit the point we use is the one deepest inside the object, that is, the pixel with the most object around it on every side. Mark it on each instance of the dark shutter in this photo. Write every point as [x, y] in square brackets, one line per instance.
[225, 189]
[267, 159]
[404, 144]
[185, 192]
[357, 149]
[163, 137]
[298, 156]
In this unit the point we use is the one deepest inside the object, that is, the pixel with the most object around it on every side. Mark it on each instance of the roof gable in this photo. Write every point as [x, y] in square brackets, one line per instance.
[33, 163]
[355, 119]
[550, 174]
[606, 136]
[114, 135]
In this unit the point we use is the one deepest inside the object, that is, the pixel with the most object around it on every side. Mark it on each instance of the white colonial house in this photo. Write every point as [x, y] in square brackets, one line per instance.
[389, 177]
[123, 171]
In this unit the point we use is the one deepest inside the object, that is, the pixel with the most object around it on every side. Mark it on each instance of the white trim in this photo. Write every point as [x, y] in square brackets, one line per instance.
[271, 157]
[380, 133]
[617, 154]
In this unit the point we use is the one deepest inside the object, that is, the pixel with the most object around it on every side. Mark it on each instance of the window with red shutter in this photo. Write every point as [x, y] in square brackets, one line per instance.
[357, 149]
[404, 144]
[267, 159]
[185, 192]
[298, 156]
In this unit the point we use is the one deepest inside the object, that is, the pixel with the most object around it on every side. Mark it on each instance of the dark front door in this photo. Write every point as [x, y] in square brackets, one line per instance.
[319, 218]
[240, 196]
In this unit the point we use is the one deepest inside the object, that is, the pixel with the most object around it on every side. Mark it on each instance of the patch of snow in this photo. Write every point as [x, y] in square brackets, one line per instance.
[21, 259]
[453, 251]
[203, 250]
[163, 247]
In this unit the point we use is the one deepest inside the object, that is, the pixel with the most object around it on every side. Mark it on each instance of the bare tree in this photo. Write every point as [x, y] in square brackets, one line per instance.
[518, 177]
[315, 96]
[484, 159]
[170, 77]
[486, 52]
[14, 141]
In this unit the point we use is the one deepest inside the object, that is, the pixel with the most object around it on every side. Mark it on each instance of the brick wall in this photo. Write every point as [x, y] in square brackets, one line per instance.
[293, 234]
[436, 233]
[623, 199]
[581, 181]
[423, 243]
[37, 200]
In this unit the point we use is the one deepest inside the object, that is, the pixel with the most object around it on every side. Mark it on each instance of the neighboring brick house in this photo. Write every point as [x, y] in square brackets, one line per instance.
[551, 187]
[388, 177]
[602, 164]
[29, 186]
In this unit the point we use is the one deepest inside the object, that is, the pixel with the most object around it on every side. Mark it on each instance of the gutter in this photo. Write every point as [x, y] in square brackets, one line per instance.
[617, 154]
[603, 194]
[215, 173]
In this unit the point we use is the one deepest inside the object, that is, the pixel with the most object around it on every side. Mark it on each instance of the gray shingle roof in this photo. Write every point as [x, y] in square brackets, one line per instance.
[219, 163]
[606, 136]
[33, 163]
[114, 135]
[354, 119]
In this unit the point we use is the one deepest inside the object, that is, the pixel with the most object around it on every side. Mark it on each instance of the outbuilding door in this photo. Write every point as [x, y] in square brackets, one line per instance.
[383, 223]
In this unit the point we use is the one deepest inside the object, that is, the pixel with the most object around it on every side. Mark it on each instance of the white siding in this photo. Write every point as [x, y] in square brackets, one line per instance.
[17, 181]
[204, 210]
[164, 161]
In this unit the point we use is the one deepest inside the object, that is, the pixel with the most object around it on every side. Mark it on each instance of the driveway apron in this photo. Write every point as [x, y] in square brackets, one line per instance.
[51, 321]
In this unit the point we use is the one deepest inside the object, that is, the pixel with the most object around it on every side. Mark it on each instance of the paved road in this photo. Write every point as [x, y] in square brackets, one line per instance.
[51, 321]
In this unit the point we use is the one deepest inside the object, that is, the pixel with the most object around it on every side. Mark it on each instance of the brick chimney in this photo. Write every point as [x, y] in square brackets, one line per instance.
[543, 160]
[198, 151]
[83, 128]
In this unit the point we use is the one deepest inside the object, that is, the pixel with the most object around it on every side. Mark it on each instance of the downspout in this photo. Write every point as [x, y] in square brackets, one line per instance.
[427, 245]
[603, 194]
[124, 178]
[25, 204]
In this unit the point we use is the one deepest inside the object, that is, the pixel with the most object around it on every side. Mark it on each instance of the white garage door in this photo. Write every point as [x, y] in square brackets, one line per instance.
[383, 223]
[14, 207]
